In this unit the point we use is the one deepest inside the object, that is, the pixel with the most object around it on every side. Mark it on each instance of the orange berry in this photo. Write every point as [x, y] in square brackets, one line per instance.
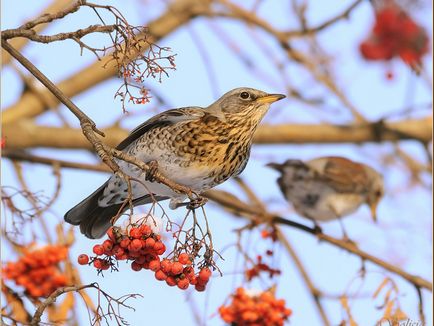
[146, 230]
[170, 280]
[135, 266]
[183, 284]
[184, 258]
[177, 268]
[149, 243]
[98, 250]
[166, 265]
[159, 248]
[160, 275]
[98, 263]
[125, 243]
[205, 274]
[108, 245]
[154, 265]
[83, 259]
[135, 233]
[135, 245]
[199, 287]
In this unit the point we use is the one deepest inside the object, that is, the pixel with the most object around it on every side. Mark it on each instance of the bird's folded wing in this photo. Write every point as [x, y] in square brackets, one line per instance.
[345, 176]
[163, 119]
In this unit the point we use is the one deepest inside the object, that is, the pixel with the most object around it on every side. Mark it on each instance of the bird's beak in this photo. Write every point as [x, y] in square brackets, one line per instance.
[276, 166]
[373, 207]
[270, 98]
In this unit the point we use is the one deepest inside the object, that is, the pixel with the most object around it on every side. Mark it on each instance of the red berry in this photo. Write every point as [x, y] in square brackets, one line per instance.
[154, 265]
[135, 245]
[107, 245]
[184, 259]
[177, 268]
[146, 230]
[111, 234]
[125, 243]
[199, 287]
[149, 243]
[83, 259]
[98, 263]
[205, 274]
[98, 250]
[183, 284]
[170, 280]
[135, 266]
[135, 233]
[159, 248]
[192, 279]
[166, 265]
[160, 275]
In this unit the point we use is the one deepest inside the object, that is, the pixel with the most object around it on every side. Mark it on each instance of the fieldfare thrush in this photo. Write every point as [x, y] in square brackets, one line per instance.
[328, 188]
[193, 146]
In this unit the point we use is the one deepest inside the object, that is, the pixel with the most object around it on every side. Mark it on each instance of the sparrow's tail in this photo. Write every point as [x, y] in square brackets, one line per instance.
[95, 220]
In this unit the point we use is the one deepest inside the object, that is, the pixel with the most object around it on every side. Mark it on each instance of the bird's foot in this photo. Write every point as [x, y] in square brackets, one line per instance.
[317, 229]
[196, 202]
[153, 168]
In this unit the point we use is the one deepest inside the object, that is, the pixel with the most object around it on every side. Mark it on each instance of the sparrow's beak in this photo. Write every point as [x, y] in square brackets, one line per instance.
[270, 98]
[373, 207]
[275, 166]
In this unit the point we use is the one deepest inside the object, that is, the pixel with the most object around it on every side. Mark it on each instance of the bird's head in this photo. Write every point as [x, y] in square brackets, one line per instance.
[243, 105]
[376, 191]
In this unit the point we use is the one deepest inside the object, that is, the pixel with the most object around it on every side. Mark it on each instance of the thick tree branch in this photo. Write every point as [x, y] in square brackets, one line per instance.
[26, 134]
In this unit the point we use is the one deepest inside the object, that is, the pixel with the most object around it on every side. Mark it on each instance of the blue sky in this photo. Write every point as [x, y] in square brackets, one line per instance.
[403, 235]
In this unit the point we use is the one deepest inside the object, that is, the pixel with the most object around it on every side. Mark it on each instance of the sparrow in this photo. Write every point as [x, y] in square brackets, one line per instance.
[193, 146]
[329, 188]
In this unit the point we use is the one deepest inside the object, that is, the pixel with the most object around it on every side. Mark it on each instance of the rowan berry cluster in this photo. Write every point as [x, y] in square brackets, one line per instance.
[255, 309]
[181, 273]
[38, 270]
[395, 34]
[139, 244]
[143, 247]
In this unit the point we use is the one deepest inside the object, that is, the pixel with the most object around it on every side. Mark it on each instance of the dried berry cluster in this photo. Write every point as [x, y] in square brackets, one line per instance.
[38, 271]
[395, 34]
[261, 266]
[260, 309]
[144, 247]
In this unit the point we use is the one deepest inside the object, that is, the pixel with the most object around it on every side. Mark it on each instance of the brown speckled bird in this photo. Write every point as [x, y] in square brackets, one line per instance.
[329, 188]
[193, 146]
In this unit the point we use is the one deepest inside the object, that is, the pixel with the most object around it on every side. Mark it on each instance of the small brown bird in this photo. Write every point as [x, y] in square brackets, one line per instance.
[193, 146]
[329, 188]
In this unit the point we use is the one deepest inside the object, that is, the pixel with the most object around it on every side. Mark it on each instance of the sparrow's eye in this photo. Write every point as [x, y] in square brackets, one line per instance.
[245, 95]
[378, 193]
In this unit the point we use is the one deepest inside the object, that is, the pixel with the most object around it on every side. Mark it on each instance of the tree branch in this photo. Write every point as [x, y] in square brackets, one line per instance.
[240, 208]
[26, 134]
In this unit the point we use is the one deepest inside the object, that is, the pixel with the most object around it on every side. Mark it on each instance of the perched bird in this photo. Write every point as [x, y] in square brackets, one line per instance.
[193, 146]
[328, 188]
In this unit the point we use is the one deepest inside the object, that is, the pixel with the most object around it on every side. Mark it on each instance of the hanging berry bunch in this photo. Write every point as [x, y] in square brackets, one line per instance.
[395, 34]
[38, 270]
[141, 244]
[261, 308]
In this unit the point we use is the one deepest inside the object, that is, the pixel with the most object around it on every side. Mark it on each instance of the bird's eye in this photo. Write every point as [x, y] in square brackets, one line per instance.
[245, 95]
[378, 193]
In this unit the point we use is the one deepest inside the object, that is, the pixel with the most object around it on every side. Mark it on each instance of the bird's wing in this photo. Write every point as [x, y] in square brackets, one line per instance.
[344, 175]
[163, 119]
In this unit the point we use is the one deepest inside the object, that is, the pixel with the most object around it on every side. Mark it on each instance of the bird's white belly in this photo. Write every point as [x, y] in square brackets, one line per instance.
[332, 206]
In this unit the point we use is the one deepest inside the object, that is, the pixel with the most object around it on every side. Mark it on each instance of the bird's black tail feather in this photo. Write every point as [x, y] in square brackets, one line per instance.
[93, 219]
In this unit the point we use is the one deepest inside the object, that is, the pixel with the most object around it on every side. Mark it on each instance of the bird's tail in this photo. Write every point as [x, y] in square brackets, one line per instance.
[95, 220]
